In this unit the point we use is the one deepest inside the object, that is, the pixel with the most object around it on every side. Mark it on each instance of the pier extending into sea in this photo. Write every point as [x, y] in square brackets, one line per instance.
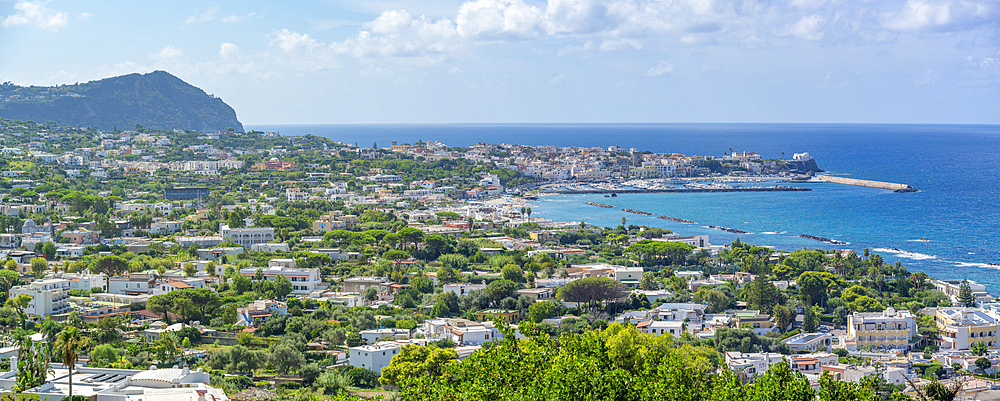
[864, 183]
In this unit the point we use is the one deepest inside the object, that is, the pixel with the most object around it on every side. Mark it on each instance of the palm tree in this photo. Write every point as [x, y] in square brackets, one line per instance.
[529, 212]
[623, 221]
[68, 342]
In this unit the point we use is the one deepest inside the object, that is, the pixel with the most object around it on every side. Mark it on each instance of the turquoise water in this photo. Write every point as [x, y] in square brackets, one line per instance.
[955, 167]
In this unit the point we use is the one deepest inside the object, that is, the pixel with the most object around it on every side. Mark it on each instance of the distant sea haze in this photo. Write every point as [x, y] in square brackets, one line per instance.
[955, 167]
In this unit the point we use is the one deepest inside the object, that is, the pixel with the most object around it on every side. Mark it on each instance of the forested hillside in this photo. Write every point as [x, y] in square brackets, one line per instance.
[155, 100]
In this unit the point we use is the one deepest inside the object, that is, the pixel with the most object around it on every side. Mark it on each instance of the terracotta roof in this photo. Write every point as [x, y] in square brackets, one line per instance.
[180, 284]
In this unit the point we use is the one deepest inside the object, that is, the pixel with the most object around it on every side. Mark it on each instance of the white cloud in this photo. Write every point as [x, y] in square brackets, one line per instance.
[499, 20]
[942, 16]
[84, 16]
[206, 16]
[168, 53]
[809, 27]
[390, 22]
[557, 79]
[289, 41]
[455, 70]
[238, 18]
[620, 44]
[616, 25]
[37, 13]
[660, 69]
[570, 49]
[228, 50]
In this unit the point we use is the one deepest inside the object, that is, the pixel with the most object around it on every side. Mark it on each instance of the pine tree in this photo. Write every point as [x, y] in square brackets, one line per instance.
[811, 321]
[965, 294]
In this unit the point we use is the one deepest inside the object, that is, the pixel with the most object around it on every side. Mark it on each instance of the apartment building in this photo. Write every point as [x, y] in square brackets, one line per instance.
[335, 220]
[962, 327]
[880, 331]
[48, 297]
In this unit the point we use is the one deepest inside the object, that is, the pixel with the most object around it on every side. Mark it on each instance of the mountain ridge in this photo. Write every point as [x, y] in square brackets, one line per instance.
[156, 100]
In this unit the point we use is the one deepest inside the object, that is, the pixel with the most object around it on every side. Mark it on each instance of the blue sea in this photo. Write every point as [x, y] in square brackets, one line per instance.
[955, 167]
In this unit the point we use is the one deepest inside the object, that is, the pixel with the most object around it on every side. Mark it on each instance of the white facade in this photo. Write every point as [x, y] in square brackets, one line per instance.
[247, 236]
[461, 289]
[304, 281]
[373, 357]
[165, 227]
[48, 297]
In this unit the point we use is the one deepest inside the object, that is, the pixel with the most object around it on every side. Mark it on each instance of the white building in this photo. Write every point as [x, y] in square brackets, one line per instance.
[165, 227]
[953, 287]
[135, 283]
[270, 247]
[461, 289]
[374, 335]
[296, 195]
[304, 281]
[629, 276]
[373, 357]
[962, 327]
[103, 384]
[810, 341]
[880, 331]
[247, 236]
[83, 280]
[48, 297]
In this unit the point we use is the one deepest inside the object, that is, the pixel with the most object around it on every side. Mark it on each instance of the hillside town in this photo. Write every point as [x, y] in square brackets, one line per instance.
[149, 265]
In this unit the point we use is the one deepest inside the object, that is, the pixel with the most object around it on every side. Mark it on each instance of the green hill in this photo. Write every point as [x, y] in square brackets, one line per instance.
[154, 100]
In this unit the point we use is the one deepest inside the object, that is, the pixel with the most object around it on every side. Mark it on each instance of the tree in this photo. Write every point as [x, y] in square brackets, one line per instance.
[396, 254]
[10, 265]
[38, 266]
[500, 289]
[422, 284]
[190, 269]
[282, 286]
[811, 321]
[103, 355]
[782, 316]
[49, 250]
[539, 311]
[414, 360]
[979, 348]
[965, 294]
[110, 265]
[591, 291]
[513, 273]
[68, 342]
[284, 358]
[371, 294]
[762, 294]
[983, 364]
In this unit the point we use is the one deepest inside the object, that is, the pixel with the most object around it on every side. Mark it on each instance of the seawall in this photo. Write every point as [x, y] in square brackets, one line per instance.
[863, 183]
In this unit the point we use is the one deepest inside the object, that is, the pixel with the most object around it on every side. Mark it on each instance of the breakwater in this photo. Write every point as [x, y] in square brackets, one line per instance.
[676, 219]
[823, 239]
[639, 212]
[599, 205]
[729, 230]
[679, 190]
[864, 183]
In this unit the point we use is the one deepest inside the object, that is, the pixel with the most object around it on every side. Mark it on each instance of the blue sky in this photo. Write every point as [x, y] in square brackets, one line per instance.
[441, 61]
